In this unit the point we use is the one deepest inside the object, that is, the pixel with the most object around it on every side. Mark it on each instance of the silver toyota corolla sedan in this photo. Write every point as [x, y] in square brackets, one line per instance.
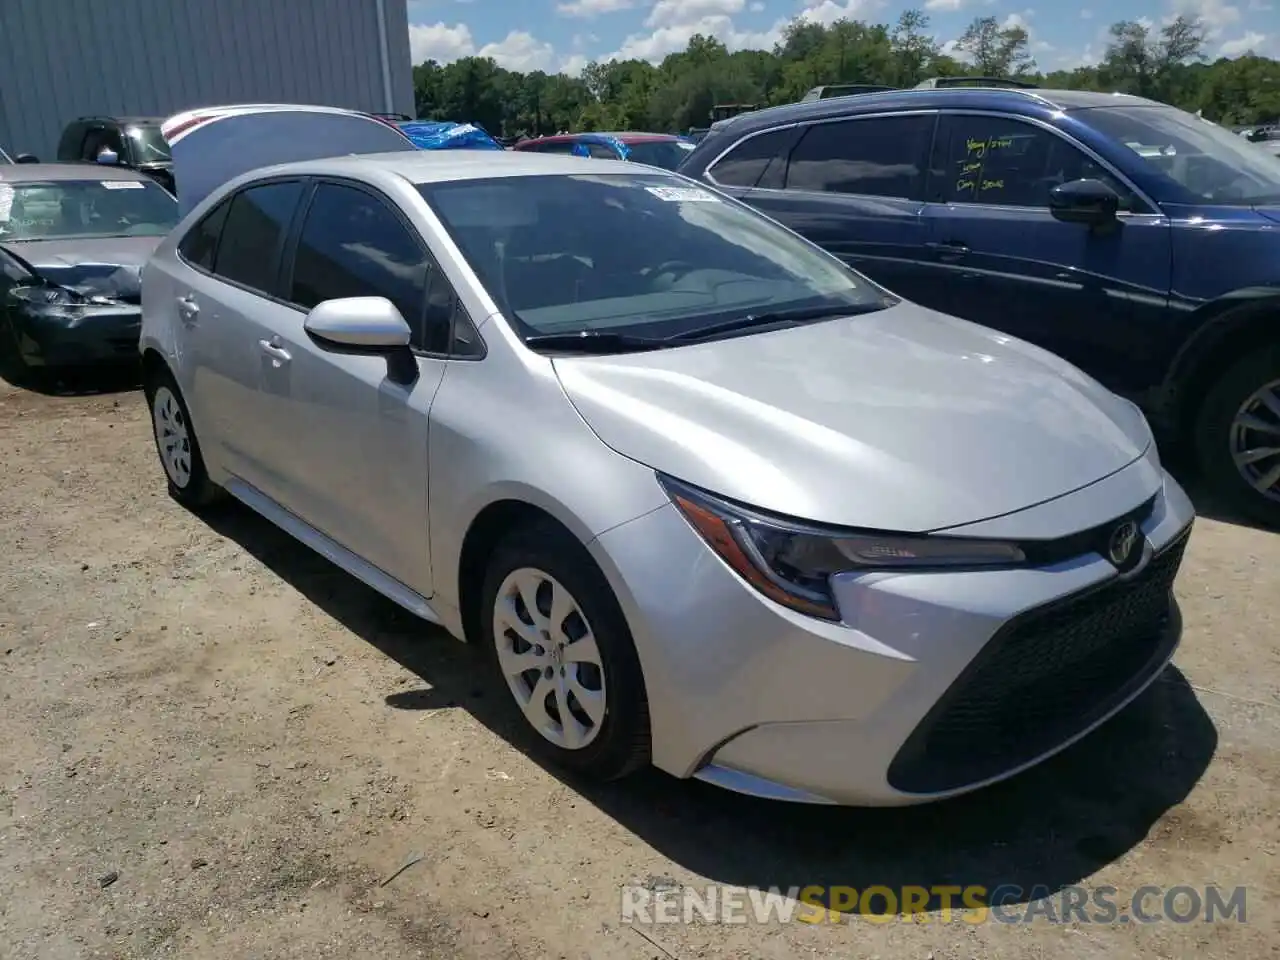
[709, 498]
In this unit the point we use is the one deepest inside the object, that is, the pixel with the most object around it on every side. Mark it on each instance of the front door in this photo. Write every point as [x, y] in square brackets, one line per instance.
[356, 440]
[1092, 296]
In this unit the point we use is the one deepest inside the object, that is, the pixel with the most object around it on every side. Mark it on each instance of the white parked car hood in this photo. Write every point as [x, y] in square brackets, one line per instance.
[905, 420]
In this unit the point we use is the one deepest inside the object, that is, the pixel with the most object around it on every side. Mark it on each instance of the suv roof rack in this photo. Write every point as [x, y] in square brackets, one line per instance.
[397, 117]
[827, 91]
[936, 83]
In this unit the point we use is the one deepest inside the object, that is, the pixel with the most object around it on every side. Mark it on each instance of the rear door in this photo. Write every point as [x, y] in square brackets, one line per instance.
[1091, 296]
[227, 304]
[854, 186]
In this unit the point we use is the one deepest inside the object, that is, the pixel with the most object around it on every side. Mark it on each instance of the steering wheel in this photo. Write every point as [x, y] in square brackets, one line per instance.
[674, 266]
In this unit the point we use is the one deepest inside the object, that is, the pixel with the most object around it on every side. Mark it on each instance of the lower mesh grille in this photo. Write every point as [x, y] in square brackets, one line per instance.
[1043, 678]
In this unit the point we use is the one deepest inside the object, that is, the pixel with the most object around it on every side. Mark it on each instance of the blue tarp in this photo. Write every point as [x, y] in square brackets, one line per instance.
[446, 135]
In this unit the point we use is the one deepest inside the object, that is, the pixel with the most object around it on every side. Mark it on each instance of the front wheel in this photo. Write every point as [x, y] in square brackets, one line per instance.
[555, 633]
[177, 446]
[1237, 435]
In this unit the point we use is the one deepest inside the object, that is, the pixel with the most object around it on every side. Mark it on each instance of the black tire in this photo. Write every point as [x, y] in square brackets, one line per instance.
[622, 744]
[198, 491]
[1213, 428]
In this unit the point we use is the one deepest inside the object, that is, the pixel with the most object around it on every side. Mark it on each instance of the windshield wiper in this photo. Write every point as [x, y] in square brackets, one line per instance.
[795, 316]
[595, 341]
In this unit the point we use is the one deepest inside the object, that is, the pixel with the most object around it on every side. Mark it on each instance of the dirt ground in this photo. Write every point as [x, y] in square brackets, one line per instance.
[217, 745]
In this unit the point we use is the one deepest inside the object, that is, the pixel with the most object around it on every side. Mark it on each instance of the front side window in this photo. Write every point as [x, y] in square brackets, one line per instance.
[744, 165]
[601, 151]
[875, 156]
[249, 251]
[1006, 162]
[85, 209]
[1210, 163]
[645, 253]
[352, 245]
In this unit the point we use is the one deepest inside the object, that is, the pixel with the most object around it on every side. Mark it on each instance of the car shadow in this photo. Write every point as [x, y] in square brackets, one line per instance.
[94, 381]
[1049, 828]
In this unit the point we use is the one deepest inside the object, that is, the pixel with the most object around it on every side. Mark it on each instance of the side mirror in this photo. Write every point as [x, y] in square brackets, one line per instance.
[108, 158]
[1090, 202]
[26, 158]
[365, 326]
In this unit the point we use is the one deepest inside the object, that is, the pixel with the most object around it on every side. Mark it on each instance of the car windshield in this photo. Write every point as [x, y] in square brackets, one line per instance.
[659, 153]
[73, 209]
[1207, 160]
[643, 255]
[149, 145]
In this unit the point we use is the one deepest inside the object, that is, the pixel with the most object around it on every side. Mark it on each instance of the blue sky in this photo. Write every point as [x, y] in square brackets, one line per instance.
[565, 34]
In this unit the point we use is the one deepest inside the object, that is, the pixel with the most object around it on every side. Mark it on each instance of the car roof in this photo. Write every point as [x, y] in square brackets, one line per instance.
[127, 121]
[626, 136]
[992, 98]
[441, 166]
[46, 172]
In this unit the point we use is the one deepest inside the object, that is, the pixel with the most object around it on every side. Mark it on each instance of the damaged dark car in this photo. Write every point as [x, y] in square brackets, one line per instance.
[73, 239]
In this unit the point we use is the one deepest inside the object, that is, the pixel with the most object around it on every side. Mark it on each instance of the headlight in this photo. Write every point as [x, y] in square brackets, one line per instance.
[792, 563]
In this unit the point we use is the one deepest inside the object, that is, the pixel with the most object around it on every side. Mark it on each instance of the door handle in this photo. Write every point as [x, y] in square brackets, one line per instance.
[188, 309]
[949, 250]
[278, 354]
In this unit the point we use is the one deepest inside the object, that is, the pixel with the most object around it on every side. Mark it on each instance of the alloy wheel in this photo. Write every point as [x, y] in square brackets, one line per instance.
[548, 656]
[1255, 440]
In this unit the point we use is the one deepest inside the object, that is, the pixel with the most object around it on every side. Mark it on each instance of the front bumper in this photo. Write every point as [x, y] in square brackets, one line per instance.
[935, 683]
[90, 336]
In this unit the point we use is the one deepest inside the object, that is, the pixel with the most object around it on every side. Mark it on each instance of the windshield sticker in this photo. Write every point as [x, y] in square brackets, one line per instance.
[683, 194]
[122, 184]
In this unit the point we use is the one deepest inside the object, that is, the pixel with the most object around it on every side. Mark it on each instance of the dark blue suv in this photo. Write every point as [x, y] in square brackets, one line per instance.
[1136, 240]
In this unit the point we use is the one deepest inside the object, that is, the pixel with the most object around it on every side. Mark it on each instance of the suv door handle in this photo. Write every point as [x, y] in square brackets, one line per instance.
[949, 250]
[278, 354]
[188, 309]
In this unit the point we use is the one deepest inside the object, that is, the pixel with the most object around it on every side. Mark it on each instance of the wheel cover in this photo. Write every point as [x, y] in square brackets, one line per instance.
[1255, 440]
[548, 655]
[173, 438]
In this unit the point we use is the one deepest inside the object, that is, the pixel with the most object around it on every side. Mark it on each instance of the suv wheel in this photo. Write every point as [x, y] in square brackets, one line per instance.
[555, 633]
[1237, 435]
[176, 444]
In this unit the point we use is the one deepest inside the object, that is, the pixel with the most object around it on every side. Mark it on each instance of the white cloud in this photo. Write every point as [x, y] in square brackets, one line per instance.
[573, 64]
[1086, 14]
[672, 13]
[1259, 6]
[756, 7]
[944, 4]
[674, 38]
[1216, 14]
[828, 12]
[1253, 41]
[592, 8]
[440, 42]
[518, 50]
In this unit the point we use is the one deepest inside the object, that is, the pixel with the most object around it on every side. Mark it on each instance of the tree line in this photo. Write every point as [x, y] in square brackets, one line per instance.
[1167, 64]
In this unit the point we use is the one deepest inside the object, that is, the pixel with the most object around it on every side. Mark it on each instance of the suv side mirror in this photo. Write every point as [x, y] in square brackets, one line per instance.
[365, 326]
[26, 158]
[1090, 202]
[107, 157]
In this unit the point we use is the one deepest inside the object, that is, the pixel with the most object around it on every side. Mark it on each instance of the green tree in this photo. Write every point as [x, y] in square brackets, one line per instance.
[997, 51]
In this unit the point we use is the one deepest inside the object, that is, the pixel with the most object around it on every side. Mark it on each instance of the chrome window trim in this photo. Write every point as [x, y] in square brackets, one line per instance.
[708, 174]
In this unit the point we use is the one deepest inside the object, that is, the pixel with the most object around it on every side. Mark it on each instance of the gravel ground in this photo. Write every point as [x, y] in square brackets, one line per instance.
[217, 745]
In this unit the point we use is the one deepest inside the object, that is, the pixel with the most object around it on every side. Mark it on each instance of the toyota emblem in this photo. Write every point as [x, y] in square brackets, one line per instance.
[1124, 538]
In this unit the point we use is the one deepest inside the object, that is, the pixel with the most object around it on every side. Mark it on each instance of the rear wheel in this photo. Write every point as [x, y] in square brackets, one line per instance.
[1238, 435]
[555, 634]
[176, 444]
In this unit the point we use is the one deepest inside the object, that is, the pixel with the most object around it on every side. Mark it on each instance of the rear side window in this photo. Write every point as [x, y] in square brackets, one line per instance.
[744, 164]
[249, 251]
[200, 245]
[352, 245]
[875, 156]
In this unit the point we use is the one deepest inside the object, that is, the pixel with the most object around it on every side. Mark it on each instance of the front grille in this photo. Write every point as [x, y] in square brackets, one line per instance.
[1042, 679]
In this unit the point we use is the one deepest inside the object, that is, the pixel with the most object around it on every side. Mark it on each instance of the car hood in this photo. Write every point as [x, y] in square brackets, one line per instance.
[106, 267]
[905, 420]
